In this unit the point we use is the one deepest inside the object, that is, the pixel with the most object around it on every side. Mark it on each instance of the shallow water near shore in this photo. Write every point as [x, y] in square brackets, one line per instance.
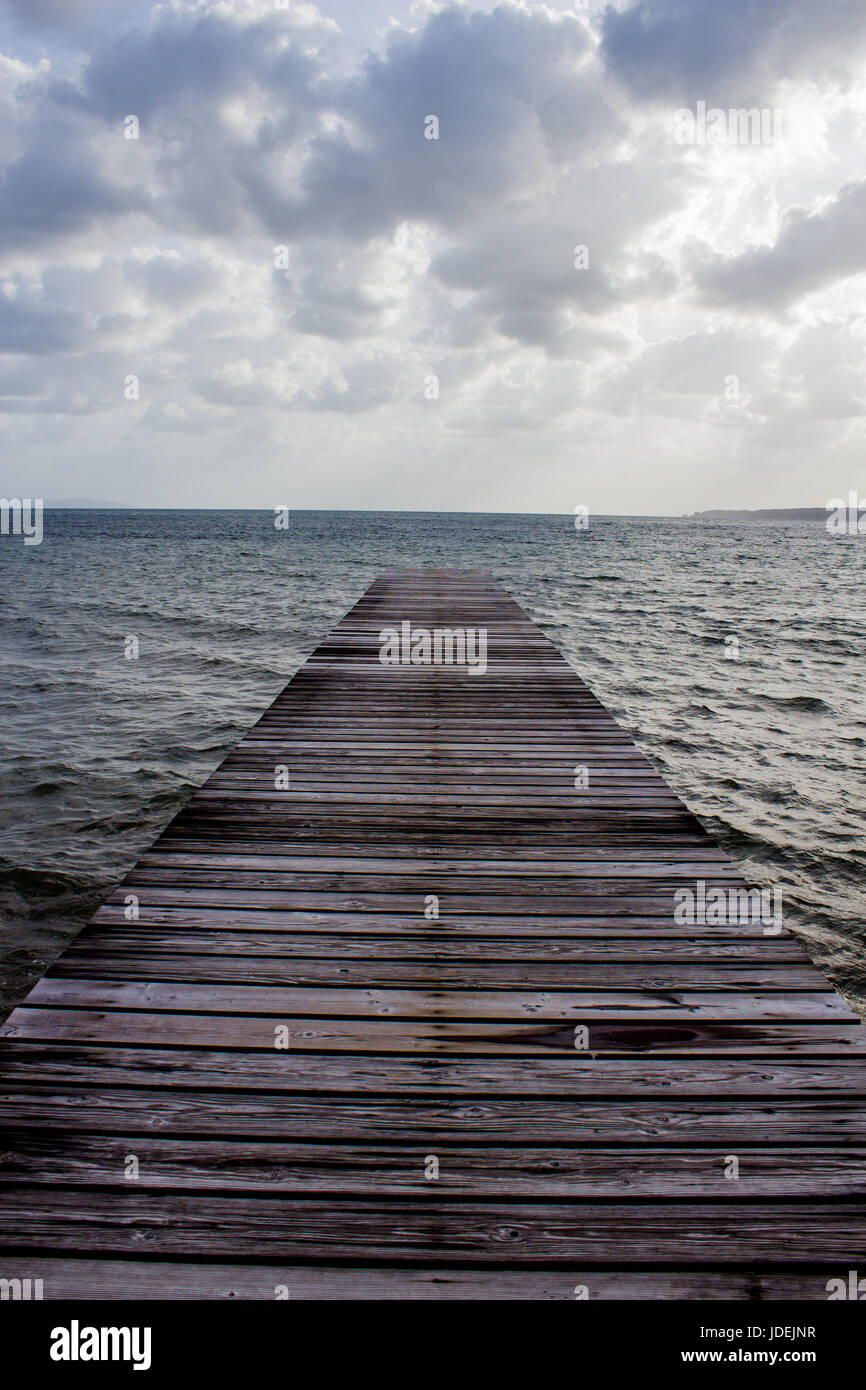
[99, 752]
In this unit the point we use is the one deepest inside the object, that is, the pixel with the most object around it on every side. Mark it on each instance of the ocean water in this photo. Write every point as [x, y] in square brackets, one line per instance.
[99, 752]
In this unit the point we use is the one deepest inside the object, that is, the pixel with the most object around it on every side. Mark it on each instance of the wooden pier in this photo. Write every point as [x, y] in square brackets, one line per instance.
[397, 1007]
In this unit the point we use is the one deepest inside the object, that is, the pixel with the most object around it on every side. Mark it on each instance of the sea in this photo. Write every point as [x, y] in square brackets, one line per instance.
[731, 650]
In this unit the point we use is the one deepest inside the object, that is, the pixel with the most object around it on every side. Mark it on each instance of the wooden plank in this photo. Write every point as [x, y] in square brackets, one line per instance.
[419, 1120]
[422, 1035]
[565, 1076]
[421, 1231]
[144, 1279]
[496, 927]
[266, 1168]
[618, 948]
[371, 972]
[436, 1003]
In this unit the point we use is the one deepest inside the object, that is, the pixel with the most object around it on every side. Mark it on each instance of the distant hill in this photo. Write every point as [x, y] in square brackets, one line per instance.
[766, 514]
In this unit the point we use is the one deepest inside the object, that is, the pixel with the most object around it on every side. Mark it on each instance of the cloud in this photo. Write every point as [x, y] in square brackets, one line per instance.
[55, 189]
[31, 324]
[169, 278]
[195, 58]
[36, 13]
[812, 249]
[510, 104]
[682, 50]
[408, 256]
[249, 126]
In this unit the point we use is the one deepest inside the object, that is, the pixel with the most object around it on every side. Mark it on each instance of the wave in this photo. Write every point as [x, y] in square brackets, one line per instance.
[39, 888]
[812, 704]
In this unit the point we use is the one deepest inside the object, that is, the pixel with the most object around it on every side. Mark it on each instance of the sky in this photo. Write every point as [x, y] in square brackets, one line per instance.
[451, 257]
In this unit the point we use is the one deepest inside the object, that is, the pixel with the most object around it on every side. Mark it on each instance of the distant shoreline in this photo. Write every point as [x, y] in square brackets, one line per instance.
[712, 514]
[763, 514]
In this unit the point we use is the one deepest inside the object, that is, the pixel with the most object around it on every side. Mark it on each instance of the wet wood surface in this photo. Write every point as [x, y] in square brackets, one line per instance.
[397, 1006]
